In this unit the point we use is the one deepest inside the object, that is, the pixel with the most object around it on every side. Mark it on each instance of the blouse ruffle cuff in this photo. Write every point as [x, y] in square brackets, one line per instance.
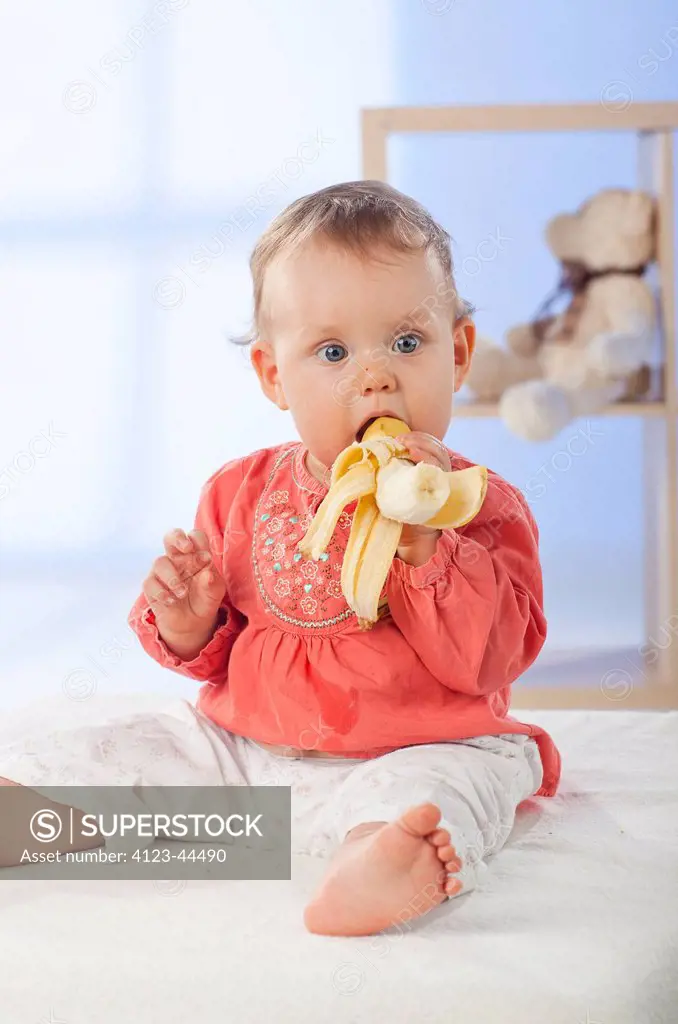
[221, 635]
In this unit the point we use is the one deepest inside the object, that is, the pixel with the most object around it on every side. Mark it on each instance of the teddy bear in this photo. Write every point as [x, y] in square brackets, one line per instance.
[598, 350]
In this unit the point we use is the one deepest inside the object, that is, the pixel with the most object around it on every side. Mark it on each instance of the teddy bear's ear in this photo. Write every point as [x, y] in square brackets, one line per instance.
[638, 213]
[564, 237]
[614, 228]
[619, 229]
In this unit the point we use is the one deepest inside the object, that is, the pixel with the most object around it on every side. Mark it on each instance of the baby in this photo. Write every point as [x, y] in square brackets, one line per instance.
[403, 761]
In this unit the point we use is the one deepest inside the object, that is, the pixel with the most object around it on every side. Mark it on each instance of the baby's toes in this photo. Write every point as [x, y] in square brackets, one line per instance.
[450, 858]
[452, 886]
[447, 855]
[439, 837]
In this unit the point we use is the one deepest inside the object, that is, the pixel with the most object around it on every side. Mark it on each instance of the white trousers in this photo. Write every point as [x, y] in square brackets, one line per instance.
[477, 783]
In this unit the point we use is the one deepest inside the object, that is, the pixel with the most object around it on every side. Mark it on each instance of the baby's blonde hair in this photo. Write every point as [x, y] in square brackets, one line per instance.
[362, 216]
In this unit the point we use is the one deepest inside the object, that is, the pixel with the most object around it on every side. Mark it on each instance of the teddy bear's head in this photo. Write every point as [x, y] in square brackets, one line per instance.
[615, 229]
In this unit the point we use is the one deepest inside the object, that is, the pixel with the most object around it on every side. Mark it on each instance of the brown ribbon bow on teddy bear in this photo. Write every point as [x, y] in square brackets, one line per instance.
[575, 278]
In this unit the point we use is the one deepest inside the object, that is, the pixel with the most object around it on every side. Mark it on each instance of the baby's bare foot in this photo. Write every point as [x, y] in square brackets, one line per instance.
[395, 873]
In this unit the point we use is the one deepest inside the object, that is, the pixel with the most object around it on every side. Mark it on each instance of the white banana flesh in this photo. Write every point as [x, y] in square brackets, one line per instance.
[411, 493]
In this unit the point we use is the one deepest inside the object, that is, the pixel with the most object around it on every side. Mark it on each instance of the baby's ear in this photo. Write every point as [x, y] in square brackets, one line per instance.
[262, 356]
[464, 346]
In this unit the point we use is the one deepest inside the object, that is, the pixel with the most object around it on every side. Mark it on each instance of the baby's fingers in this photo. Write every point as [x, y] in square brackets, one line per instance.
[199, 540]
[426, 448]
[207, 591]
[156, 592]
[171, 576]
[208, 560]
[189, 553]
[177, 543]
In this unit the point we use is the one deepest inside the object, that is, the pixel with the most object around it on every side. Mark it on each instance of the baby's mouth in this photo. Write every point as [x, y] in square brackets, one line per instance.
[389, 413]
[360, 433]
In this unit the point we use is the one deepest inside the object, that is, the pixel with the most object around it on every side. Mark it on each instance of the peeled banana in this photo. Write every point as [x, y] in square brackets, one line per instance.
[389, 490]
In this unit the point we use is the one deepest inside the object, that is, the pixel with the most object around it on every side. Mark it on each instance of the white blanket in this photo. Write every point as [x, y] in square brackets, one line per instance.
[576, 920]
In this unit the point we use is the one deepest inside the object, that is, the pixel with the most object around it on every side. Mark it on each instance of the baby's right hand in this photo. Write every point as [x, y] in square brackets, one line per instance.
[185, 590]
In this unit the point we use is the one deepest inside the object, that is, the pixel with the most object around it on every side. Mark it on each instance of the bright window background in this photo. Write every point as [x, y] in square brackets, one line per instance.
[134, 137]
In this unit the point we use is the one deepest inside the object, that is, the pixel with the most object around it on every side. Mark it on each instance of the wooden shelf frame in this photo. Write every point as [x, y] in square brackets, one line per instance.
[488, 409]
[654, 125]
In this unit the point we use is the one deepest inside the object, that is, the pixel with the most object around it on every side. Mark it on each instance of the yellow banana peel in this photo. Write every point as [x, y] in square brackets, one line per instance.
[390, 490]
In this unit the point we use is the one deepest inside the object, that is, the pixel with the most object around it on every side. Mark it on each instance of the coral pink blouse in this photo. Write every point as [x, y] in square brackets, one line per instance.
[288, 664]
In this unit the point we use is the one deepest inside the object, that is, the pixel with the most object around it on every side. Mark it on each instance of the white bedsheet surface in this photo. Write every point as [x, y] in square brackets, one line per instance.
[576, 921]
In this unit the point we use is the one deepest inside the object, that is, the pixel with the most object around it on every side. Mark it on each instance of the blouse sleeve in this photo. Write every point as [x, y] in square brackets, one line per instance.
[473, 613]
[211, 664]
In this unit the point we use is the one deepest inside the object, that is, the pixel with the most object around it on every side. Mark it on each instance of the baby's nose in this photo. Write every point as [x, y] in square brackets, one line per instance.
[374, 385]
[377, 375]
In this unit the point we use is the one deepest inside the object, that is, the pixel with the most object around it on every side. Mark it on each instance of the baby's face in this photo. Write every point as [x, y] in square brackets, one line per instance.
[345, 338]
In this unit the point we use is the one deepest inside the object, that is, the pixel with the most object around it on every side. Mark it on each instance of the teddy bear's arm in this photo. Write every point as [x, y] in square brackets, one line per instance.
[626, 306]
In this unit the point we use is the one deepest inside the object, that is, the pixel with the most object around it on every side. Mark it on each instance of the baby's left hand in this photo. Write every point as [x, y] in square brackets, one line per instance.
[422, 447]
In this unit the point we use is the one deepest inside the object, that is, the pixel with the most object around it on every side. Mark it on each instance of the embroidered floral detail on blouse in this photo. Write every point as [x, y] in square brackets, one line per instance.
[305, 593]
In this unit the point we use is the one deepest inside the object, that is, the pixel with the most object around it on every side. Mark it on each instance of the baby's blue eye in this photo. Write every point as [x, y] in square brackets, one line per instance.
[335, 352]
[410, 343]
